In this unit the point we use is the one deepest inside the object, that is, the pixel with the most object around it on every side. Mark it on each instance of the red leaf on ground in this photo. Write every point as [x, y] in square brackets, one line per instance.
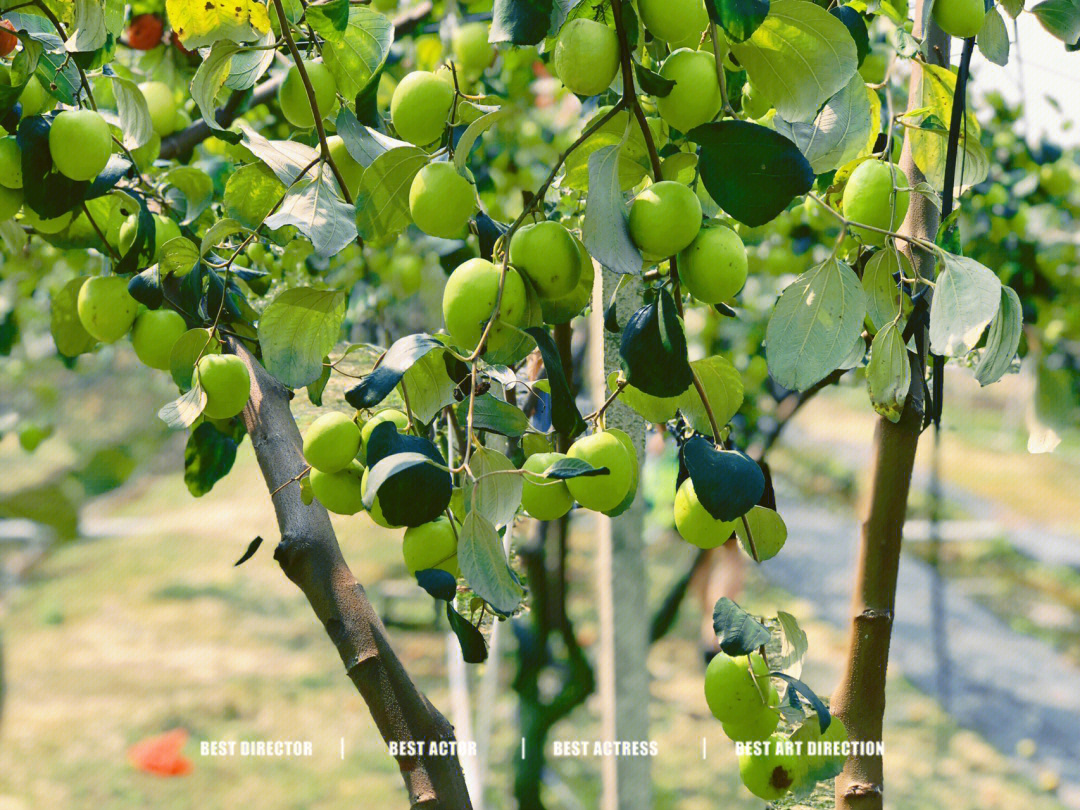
[162, 755]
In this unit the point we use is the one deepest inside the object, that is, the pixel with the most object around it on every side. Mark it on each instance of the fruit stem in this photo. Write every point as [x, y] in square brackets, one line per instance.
[721, 77]
[750, 538]
[315, 113]
[60, 30]
[708, 408]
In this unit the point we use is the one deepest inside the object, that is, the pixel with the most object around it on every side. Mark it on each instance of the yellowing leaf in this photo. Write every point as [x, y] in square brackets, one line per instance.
[200, 23]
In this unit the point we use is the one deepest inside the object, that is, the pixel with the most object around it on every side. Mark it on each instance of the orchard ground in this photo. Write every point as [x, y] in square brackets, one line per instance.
[148, 627]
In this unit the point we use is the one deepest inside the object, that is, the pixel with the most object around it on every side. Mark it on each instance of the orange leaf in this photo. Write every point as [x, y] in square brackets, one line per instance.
[162, 755]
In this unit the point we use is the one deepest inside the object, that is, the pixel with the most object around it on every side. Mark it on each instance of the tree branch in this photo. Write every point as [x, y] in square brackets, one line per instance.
[310, 556]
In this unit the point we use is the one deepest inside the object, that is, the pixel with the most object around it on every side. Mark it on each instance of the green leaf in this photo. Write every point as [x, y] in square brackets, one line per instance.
[565, 416]
[794, 642]
[429, 385]
[363, 143]
[473, 648]
[651, 82]
[188, 347]
[799, 57]
[210, 78]
[889, 374]
[297, 330]
[634, 163]
[248, 66]
[45, 190]
[739, 633]
[472, 132]
[606, 231]
[1002, 339]
[750, 171]
[218, 233]
[723, 387]
[393, 365]
[287, 159]
[652, 353]
[727, 483]
[208, 457]
[495, 416]
[496, 497]
[382, 202]
[739, 18]
[409, 476]
[88, 31]
[251, 192]
[1061, 18]
[839, 133]
[967, 296]
[814, 324]
[484, 566]
[197, 188]
[565, 468]
[521, 22]
[928, 146]
[135, 125]
[993, 39]
[856, 26]
[315, 205]
[69, 335]
[357, 42]
[182, 412]
[882, 290]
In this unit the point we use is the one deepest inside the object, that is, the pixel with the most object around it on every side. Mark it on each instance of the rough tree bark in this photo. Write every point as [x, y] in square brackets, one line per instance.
[859, 700]
[622, 583]
[310, 556]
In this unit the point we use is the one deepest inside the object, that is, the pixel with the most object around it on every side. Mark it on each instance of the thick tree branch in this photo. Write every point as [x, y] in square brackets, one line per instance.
[859, 699]
[310, 556]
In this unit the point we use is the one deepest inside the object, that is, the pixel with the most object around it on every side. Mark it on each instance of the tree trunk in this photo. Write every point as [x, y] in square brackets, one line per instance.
[310, 556]
[622, 584]
[859, 699]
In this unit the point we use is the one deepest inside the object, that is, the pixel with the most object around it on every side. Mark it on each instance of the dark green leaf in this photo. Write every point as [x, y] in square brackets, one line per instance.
[411, 489]
[739, 18]
[1061, 18]
[473, 647]
[565, 416]
[824, 718]
[520, 22]
[437, 582]
[653, 350]
[565, 468]
[751, 171]
[651, 82]
[739, 633]
[208, 457]
[856, 26]
[728, 483]
[495, 416]
[399, 358]
[49, 193]
[315, 389]
[146, 288]
[253, 546]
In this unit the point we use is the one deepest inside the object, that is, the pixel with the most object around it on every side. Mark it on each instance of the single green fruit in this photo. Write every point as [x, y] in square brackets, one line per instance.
[694, 523]
[32, 435]
[601, 492]
[105, 308]
[351, 171]
[162, 104]
[182, 120]
[533, 443]
[771, 775]
[869, 199]
[46, 226]
[472, 51]
[547, 254]
[628, 499]
[469, 299]
[758, 726]
[420, 107]
[35, 99]
[586, 56]
[293, 98]
[768, 529]
[400, 420]
[732, 694]
[714, 267]
[695, 99]
[565, 308]
[959, 18]
[822, 761]
[10, 163]
[340, 492]
[406, 275]
[544, 498]
[754, 103]
[331, 442]
[154, 335]
[875, 66]
[227, 384]
[664, 218]
[674, 20]
[376, 510]
[431, 545]
[10, 202]
[441, 201]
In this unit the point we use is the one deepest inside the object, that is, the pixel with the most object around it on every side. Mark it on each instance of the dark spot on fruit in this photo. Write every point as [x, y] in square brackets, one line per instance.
[780, 777]
[209, 6]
